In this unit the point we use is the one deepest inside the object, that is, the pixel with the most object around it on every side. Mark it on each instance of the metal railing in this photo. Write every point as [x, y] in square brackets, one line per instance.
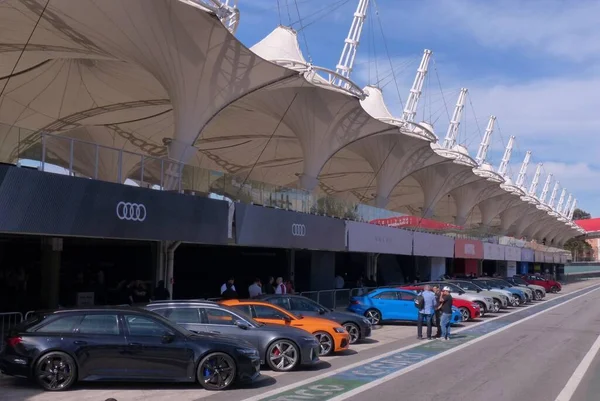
[75, 157]
[7, 321]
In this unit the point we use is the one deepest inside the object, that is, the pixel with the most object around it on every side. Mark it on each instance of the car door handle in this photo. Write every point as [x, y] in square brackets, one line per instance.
[215, 332]
[79, 342]
[135, 344]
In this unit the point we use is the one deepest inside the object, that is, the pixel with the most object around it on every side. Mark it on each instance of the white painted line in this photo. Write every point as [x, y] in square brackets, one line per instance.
[567, 393]
[381, 356]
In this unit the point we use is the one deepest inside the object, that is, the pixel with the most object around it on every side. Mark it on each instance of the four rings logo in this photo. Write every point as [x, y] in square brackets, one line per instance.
[131, 211]
[298, 230]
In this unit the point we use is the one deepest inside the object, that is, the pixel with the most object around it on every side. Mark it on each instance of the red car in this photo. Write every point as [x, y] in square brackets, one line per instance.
[468, 310]
[549, 285]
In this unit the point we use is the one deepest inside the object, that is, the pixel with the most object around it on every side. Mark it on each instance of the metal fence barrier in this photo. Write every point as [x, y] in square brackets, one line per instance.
[7, 321]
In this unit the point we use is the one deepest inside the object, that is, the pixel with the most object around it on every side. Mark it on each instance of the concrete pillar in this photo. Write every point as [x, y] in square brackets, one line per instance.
[438, 267]
[51, 259]
[322, 270]
[291, 267]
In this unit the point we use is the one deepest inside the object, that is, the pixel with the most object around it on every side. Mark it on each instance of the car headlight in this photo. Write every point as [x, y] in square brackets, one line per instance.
[248, 351]
[339, 329]
[310, 339]
[489, 300]
[366, 321]
[475, 306]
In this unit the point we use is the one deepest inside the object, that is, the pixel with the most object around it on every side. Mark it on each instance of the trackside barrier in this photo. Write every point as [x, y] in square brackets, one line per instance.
[7, 321]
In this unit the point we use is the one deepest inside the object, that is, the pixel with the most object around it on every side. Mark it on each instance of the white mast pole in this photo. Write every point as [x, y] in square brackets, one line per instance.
[506, 158]
[348, 56]
[554, 193]
[572, 211]
[485, 142]
[450, 139]
[536, 180]
[546, 189]
[567, 206]
[561, 200]
[521, 177]
[410, 110]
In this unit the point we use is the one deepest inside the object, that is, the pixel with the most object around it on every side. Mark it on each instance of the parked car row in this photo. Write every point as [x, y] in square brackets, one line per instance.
[392, 304]
[214, 344]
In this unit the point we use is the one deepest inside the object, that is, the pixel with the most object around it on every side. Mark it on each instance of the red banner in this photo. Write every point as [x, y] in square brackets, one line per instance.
[415, 222]
[468, 249]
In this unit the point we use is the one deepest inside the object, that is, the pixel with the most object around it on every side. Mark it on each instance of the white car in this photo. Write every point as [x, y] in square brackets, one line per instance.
[539, 292]
[486, 303]
[500, 300]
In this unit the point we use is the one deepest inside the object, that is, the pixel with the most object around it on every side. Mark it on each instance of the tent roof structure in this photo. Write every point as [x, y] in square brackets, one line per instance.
[165, 83]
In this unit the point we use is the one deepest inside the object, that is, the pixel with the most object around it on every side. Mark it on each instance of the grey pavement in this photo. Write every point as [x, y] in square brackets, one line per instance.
[589, 388]
[518, 361]
[531, 361]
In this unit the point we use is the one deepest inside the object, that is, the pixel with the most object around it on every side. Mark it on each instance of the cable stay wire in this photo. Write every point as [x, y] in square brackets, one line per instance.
[319, 14]
[387, 51]
[303, 32]
[269, 140]
[279, 12]
[12, 72]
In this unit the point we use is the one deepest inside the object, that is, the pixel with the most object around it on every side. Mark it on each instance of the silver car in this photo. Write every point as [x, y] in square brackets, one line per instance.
[486, 304]
[539, 292]
[500, 300]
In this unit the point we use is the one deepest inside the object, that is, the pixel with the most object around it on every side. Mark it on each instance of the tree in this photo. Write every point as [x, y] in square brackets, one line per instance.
[579, 214]
[579, 247]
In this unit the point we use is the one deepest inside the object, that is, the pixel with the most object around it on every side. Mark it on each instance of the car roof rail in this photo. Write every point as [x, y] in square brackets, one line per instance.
[181, 301]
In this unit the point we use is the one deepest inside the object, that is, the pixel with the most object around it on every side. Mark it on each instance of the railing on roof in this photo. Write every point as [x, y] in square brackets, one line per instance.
[64, 155]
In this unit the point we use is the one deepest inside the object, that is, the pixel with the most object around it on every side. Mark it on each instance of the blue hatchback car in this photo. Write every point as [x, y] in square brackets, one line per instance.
[391, 304]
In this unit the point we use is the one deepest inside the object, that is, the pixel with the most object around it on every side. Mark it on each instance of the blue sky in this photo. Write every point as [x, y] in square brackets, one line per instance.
[534, 64]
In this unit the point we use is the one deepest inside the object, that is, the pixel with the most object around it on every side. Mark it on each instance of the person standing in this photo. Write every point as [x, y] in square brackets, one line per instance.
[446, 309]
[268, 288]
[255, 289]
[437, 314]
[280, 288]
[227, 285]
[426, 307]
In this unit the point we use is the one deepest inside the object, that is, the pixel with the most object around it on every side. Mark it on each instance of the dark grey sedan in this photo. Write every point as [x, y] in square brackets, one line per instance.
[357, 326]
[282, 348]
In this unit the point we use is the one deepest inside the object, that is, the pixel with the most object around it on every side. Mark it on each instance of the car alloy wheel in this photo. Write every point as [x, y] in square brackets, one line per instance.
[497, 305]
[554, 289]
[483, 310]
[373, 316]
[353, 330]
[282, 356]
[325, 343]
[515, 301]
[538, 295]
[466, 315]
[56, 371]
[216, 371]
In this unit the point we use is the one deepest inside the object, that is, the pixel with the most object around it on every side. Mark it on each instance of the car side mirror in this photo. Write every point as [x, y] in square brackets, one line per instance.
[241, 324]
[286, 319]
[322, 311]
[168, 338]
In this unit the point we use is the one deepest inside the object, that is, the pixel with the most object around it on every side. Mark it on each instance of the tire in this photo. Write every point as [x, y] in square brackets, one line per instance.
[353, 330]
[326, 343]
[516, 300]
[482, 307]
[210, 369]
[55, 371]
[497, 305]
[554, 289]
[466, 314]
[539, 295]
[374, 316]
[283, 355]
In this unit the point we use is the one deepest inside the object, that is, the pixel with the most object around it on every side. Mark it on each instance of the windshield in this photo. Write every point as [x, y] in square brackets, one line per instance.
[466, 285]
[520, 281]
[492, 284]
[504, 283]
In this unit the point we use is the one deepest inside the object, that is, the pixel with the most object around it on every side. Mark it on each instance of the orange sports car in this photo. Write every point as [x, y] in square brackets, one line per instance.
[331, 336]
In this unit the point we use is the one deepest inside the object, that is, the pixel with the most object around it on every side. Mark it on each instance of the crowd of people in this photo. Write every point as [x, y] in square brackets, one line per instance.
[256, 289]
[435, 307]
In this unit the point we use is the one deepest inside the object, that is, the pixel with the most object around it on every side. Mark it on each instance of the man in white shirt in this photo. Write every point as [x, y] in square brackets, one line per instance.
[255, 289]
[224, 286]
[280, 287]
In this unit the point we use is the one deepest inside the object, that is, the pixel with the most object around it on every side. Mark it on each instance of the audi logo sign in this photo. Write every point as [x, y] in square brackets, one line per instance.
[298, 230]
[131, 211]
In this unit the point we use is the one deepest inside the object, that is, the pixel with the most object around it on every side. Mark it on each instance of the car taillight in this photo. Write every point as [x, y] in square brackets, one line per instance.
[354, 302]
[13, 341]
